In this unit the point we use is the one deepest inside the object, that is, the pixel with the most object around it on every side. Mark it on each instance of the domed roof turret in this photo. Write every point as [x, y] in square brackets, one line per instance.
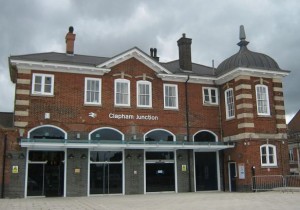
[247, 58]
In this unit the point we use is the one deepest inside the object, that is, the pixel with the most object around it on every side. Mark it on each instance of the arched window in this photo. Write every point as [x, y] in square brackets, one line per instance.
[106, 134]
[47, 132]
[268, 155]
[205, 136]
[159, 135]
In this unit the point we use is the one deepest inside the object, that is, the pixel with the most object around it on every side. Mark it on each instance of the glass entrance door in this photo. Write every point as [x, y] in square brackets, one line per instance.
[160, 171]
[106, 170]
[45, 173]
[206, 171]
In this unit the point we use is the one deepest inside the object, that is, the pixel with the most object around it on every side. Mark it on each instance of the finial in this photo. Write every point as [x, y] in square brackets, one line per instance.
[242, 33]
[243, 42]
[71, 29]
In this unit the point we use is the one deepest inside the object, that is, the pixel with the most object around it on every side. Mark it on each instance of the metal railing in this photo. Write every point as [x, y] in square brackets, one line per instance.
[276, 182]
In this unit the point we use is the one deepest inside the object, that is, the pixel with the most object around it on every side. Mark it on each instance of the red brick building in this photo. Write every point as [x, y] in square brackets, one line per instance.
[128, 124]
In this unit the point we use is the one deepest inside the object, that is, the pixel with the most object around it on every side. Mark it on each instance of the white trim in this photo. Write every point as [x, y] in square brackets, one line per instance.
[124, 81]
[139, 55]
[106, 128]
[209, 102]
[176, 95]
[43, 77]
[47, 125]
[218, 171]
[175, 171]
[267, 100]
[226, 103]
[99, 90]
[216, 136]
[143, 82]
[267, 146]
[56, 67]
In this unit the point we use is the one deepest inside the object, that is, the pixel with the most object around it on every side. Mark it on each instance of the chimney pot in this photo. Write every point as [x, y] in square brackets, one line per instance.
[70, 39]
[151, 52]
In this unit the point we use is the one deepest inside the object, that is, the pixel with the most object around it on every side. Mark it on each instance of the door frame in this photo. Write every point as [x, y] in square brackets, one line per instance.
[45, 150]
[229, 174]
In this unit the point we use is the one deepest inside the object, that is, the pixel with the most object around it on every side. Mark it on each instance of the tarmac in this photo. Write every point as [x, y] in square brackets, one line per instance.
[163, 201]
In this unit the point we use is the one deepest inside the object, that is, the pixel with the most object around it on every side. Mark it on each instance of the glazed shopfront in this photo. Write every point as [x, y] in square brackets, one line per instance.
[106, 163]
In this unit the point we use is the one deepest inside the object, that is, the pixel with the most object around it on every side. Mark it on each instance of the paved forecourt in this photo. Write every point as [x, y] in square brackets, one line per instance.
[163, 201]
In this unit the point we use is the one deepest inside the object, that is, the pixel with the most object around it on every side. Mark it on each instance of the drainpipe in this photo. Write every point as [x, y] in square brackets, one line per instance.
[188, 130]
[3, 165]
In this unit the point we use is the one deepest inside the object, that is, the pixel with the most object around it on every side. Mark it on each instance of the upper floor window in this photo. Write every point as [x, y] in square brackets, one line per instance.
[229, 102]
[43, 84]
[122, 92]
[210, 95]
[170, 96]
[92, 92]
[262, 100]
[268, 155]
[144, 94]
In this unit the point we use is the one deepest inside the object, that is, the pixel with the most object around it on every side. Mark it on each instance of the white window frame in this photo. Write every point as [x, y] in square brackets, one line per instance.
[210, 95]
[229, 103]
[176, 96]
[42, 92]
[267, 155]
[99, 91]
[128, 93]
[143, 82]
[264, 100]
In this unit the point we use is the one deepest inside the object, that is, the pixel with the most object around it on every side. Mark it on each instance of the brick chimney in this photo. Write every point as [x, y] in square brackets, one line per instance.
[70, 39]
[185, 55]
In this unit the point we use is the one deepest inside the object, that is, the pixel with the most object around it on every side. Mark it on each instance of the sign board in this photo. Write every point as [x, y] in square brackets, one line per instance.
[241, 168]
[15, 169]
[77, 171]
[183, 167]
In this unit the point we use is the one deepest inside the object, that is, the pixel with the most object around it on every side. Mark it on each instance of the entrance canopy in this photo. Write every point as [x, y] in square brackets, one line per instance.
[34, 143]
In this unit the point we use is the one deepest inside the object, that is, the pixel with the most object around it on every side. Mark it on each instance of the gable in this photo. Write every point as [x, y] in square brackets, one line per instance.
[138, 55]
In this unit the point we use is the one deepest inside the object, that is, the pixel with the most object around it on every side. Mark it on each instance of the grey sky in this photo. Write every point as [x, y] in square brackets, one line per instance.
[106, 28]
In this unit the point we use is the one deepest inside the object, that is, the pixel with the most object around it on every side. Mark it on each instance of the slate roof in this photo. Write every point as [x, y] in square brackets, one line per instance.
[294, 124]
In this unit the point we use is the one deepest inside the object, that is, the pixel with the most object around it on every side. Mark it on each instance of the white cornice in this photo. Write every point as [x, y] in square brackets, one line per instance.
[55, 67]
[184, 78]
[139, 55]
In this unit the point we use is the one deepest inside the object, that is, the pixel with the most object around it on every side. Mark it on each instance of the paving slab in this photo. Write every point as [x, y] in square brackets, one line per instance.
[163, 201]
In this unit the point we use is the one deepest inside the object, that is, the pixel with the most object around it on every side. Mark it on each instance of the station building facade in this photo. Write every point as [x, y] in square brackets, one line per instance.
[130, 124]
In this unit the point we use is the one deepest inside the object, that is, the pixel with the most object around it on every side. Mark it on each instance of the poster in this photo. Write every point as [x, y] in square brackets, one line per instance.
[241, 168]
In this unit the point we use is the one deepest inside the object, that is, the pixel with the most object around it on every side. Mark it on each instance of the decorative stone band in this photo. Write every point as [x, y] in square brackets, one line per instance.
[24, 71]
[22, 102]
[244, 106]
[279, 107]
[242, 77]
[277, 89]
[21, 124]
[278, 98]
[23, 81]
[280, 117]
[245, 115]
[243, 136]
[281, 126]
[22, 113]
[22, 92]
[246, 125]
[243, 86]
[243, 96]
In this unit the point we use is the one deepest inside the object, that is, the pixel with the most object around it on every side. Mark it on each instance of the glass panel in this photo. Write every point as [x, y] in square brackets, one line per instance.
[206, 171]
[110, 156]
[159, 155]
[159, 135]
[47, 132]
[213, 96]
[106, 134]
[204, 136]
[35, 180]
[105, 178]
[160, 177]
[263, 150]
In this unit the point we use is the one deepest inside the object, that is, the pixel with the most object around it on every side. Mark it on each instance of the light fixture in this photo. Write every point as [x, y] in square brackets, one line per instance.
[71, 156]
[21, 156]
[83, 156]
[9, 156]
